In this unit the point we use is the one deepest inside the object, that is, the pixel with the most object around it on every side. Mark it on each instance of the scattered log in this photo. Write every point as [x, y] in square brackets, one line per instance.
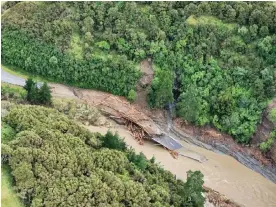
[138, 133]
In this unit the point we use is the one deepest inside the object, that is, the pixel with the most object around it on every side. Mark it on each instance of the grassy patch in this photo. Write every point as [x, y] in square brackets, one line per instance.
[8, 196]
[11, 86]
[209, 20]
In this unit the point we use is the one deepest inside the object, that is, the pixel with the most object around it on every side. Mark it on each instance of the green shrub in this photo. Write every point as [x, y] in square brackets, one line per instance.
[139, 160]
[266, 145]
[7, 133]
[37, 95]
[131, 95]
[44, 95]
[272, 115]
[103, 45]
[77, 110]
[12, 92]
[113, 141]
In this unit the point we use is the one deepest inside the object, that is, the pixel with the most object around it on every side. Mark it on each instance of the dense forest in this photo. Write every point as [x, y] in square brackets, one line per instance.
[55, 162]
[214, 60]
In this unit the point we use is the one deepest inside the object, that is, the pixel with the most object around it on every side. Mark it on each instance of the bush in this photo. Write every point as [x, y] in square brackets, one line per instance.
[44, 95]
[103, 45]
[113, 141]
[11, 92]
[77, 110]
[131, 95]
[266, 145]
[272, 115]
[37, 95]
[139, 160]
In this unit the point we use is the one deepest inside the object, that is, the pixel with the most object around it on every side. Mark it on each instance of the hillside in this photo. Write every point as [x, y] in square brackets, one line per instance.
[214, 60]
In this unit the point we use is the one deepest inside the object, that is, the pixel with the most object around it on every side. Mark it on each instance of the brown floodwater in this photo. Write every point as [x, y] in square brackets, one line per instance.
[221, 172]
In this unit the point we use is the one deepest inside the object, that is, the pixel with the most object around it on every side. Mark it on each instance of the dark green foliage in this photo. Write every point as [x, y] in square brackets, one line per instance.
[193, 188]
[37, 95]
[33, 95]
[55, 162]
[32, 91]
[108, 74]
[139, 160]
[189, 105]
[113, 141]
[29, 84]
[160, 93]
[44, 94]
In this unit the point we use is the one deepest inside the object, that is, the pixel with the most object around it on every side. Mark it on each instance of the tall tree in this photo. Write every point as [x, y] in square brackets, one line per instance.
[45, 96]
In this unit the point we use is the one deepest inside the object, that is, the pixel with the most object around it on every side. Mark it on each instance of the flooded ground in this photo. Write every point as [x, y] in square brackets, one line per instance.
[221, 172]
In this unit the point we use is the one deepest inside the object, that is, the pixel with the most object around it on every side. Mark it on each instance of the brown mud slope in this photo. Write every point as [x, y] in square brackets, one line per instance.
[118, 108]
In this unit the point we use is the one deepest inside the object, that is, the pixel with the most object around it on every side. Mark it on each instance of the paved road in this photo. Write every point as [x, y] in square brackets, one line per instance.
[6, 77]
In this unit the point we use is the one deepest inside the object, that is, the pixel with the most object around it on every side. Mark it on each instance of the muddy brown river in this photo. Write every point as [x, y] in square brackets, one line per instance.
[221, 172]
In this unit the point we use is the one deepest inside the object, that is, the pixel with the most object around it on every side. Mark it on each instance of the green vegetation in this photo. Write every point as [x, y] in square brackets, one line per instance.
[94, 72]
[272, 115]
[131, 95]
[7, 133]
[220, 53]
[113, 141]
[37, 95]
[55, 162]
[76, 110]
[12, 92]
[266, 145]
[8, 196]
